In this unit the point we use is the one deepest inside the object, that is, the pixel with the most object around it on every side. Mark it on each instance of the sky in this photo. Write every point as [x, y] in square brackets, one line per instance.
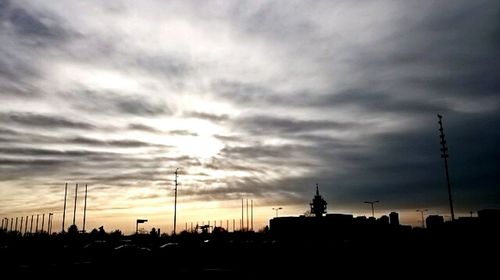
[256, 100]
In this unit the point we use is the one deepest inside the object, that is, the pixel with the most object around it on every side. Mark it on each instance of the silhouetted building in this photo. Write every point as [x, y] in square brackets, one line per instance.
[384, 220]
[394, 219]
[434, 221]
[318, 205]
[489, 215]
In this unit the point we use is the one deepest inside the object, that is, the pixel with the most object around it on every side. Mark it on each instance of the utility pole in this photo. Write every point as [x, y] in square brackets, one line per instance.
[422, 213]
[64, 210]
[371, 203]
[175, 202]
[444, 156]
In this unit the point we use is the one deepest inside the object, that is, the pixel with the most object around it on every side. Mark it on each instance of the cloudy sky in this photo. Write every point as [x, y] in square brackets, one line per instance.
[250, 99]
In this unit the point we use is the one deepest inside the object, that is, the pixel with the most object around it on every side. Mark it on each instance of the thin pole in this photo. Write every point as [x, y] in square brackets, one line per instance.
[64, 211]
[85, 209]
[251, 203]
[15, 228]
[422, 214]
[36, 228]
[43, 221]
[74, 210]
[175, 202]
[31, 225]
[26, 226]
[247, 214]
[21, 225]
[11, 223]
[444, 155]
[242, 219]
[50, 223]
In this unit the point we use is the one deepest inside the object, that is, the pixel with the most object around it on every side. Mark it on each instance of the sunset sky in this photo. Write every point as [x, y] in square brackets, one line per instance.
[258, 100]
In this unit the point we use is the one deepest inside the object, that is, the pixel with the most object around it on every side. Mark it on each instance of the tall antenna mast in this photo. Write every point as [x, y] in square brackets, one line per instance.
[74, 211]
[85, 208]
[444, 155]
[64, 211]
[175, 202]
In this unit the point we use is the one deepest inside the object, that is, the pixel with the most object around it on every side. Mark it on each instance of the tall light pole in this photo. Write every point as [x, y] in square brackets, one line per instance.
[175, 202]
[444, 156]
[51, 216]
[277, 209]
[422, 213]
[85, 210]
[74, 210]
[371, 203]
[64, 209]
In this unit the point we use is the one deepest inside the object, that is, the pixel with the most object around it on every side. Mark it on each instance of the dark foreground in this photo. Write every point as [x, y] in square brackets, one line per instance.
[248, 255]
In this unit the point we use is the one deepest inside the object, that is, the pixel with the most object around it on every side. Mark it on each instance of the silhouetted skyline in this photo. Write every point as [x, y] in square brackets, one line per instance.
[256, 100]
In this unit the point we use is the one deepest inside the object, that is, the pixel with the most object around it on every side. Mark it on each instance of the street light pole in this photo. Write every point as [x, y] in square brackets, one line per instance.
[371, 203]
[277, 209]
[422, 213]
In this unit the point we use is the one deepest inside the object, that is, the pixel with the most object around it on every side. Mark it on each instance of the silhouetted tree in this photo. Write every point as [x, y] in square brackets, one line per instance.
[73, 230]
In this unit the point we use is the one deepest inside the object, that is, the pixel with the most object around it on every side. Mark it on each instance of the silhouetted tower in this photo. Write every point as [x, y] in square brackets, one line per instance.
[175, 202]
[64, 209]
[444, 155]
[318, 205]
[394, 219]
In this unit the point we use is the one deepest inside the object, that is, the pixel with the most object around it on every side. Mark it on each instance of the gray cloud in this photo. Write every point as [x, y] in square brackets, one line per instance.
[43, 121]
[337, 93]
[207, 116]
